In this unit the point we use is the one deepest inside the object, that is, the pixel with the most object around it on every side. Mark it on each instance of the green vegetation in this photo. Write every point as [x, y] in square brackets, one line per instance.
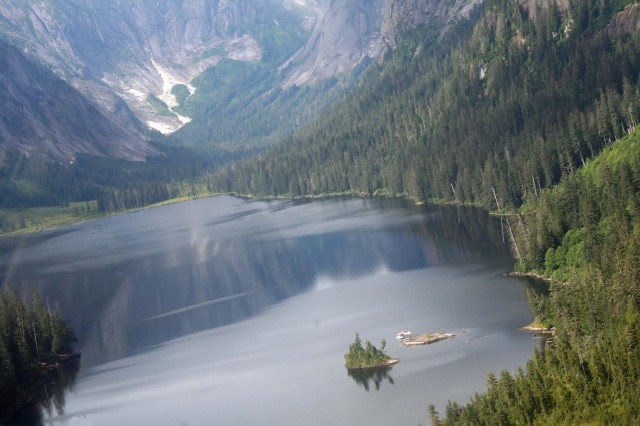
[585, 234]
[518, 99]
[33, 341]
[181, 92]
[36, 193]
[502, 102]
[33, 219]
[367, 356]
[239, 104]
[158, 105]
[238, 110]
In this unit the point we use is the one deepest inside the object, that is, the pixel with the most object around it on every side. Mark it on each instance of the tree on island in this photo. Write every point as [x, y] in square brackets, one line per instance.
[367, 356]
[34, 343]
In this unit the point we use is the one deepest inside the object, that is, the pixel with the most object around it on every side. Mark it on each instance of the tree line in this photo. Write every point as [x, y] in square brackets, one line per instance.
[28, 181]
[584, 234]
[501, 102]
[497, 112]
[368, 355]
[33, 340]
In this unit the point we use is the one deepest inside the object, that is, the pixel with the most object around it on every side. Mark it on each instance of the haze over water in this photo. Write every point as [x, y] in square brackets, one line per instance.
[226, 311]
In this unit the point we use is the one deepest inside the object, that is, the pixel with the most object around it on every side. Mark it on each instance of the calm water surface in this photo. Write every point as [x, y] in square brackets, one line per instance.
[224, 311]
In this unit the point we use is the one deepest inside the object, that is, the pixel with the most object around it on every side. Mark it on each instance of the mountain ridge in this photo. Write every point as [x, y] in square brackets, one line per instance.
[43, 114]
[113, 51]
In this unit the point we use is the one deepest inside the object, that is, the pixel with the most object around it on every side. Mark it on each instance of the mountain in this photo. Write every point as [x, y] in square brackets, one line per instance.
[404, 15]
[136, 50]
[529, 108]
[43, 114]
[225, 78]
[148, 53]
[508, 101]
[346, 32]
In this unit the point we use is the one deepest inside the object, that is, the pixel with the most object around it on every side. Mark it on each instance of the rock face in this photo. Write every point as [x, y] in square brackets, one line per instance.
[402, 14]
[43, 114]
[345, 33]
[127, 56]
[133, 49]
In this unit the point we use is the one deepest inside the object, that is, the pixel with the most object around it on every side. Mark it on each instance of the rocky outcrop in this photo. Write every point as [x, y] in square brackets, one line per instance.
[128, 55]
[626, 22]
[43, 114]
[400, 15]
[133, 49]
[345, 33]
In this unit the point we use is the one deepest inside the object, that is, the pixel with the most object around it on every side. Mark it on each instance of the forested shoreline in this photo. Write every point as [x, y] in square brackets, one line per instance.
[529, 109]
[504, 101]
[585, 235]
[37, 360]
[524, 109]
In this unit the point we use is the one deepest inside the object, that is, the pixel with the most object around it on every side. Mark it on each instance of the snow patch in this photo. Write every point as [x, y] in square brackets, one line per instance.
[163, 128]
[138, 94]
[168, 83]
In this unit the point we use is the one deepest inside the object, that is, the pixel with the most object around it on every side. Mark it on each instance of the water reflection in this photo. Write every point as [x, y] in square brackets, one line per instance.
[291, 282]
[130, 282]
[50, 394]
[377, 376]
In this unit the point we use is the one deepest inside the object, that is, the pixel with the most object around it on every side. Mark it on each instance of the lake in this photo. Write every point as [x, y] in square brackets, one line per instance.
[235, 312]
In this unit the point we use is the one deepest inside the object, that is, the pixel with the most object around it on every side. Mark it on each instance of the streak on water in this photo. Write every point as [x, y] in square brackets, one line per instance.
[227, 311]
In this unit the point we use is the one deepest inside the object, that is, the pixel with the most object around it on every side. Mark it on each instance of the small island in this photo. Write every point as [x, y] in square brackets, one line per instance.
[368, 356]
[425, 338]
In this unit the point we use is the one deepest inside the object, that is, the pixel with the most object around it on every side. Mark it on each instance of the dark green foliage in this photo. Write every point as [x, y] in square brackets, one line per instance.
[514, 100]
[34, 181]
[32, 339]
[158, 105]
[501, 102]
[247, 104]
[181, 92]
[592, 248]
[367, 356]
[239, 104]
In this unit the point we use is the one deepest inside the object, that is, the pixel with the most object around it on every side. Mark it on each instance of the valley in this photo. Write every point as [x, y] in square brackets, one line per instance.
[528, 109]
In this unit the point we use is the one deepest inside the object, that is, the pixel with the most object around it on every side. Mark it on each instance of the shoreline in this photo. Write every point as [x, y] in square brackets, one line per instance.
[426, 339]
[65, 220]
[101, 215]
[388, 363]
[515, 274]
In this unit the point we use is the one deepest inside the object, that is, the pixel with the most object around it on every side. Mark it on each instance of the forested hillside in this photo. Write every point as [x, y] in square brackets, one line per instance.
[511, 100]
[240, 106]
[498, 112]
[588, 228]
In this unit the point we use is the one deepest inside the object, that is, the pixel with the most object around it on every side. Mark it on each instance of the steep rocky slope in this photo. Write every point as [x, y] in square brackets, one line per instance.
[130, 56]
[132, 50]
[43, 114]
[404, 14]
[348, 32]
[137, 49]
[345, 33]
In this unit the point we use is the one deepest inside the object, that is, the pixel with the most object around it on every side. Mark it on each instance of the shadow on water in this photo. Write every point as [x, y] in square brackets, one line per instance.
[366, 376]
[48, 396]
